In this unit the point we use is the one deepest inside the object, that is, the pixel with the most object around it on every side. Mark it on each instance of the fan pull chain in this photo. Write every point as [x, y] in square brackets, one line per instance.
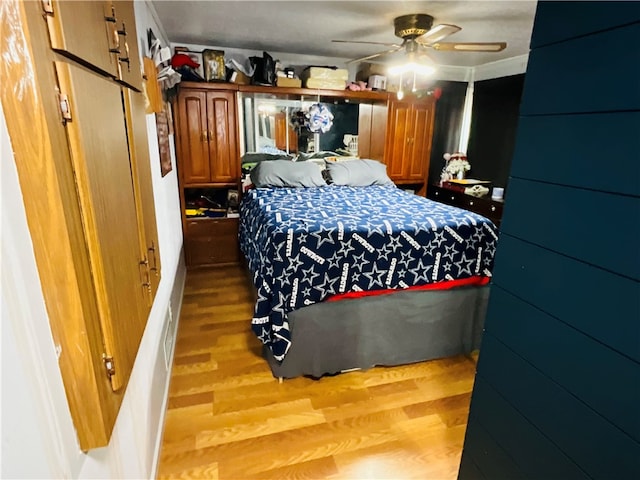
[400, 93]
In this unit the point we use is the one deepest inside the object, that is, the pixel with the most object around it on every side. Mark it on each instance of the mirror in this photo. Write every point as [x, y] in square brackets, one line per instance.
[273, 125]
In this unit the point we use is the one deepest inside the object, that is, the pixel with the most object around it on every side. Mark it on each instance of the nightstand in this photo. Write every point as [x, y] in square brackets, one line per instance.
[485, 206]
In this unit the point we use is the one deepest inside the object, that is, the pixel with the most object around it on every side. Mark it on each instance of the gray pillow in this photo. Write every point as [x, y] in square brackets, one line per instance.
[358, 173]
[302, 156]
[284, 173]
[255, 157]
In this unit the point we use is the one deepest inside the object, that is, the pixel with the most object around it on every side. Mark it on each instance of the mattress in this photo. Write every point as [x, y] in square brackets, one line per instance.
[305, 245]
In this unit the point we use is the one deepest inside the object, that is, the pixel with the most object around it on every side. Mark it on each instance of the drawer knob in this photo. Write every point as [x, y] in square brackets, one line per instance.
[437, 193]
[471, 203]
[453, 198]
[493, 208]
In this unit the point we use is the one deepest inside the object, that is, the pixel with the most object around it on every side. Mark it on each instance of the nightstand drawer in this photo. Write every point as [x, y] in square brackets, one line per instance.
[212, 226]
[211, 250]
[212, 241]
[481, 205]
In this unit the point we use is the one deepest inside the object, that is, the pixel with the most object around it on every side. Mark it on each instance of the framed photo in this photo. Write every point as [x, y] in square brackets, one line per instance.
[214, 70]
[162, 126]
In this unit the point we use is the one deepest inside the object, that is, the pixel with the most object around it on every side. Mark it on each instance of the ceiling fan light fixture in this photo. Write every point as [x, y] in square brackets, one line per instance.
[418, 34]
[411, 67]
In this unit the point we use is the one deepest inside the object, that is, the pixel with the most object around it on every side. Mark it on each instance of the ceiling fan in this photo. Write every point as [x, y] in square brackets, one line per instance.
[417, 32]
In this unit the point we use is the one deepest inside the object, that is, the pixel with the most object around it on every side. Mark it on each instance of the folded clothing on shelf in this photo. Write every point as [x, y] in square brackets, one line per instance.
[322, 77]
[327, 83]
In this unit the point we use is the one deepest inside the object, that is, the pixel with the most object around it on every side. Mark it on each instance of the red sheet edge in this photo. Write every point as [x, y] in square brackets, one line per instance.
[445, 285]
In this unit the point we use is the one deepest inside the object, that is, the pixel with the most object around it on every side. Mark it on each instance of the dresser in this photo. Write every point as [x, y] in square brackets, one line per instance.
[408, 141]
[209, 169]
[485, 206]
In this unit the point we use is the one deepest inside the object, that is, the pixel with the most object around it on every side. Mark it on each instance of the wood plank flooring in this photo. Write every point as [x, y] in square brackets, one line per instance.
[229, 419]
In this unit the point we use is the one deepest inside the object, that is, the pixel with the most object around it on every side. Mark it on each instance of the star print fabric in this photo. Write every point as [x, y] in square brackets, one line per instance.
[304, 245]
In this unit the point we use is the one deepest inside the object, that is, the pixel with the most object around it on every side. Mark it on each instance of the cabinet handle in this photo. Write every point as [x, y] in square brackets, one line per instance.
[146, 284]
[471, 203]
[126, 59]
[115, 38]
[203, 136]
[210, 135]
[152, 250]
[453, 198]
[437, 193]
[112, 17]
[493, 208]
[47, 7]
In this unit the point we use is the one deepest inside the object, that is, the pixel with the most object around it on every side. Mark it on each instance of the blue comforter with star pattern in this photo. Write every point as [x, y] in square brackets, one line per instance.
[304, 245]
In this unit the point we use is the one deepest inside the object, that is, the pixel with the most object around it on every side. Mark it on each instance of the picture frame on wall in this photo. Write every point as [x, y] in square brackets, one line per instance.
[163, 130]
[214, 70]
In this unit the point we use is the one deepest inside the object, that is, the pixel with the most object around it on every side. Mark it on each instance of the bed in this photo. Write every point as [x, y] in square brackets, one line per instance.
[352, 277]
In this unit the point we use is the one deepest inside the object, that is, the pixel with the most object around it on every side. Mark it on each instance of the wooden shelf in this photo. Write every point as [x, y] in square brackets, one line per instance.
[295, 93]
[322, 94]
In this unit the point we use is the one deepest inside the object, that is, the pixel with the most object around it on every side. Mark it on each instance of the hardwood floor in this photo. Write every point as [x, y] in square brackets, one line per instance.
[228, 418]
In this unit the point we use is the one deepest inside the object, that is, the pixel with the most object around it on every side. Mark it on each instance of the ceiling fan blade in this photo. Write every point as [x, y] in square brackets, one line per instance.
[470, 47]
[369, 57]
[437, 33]
[368, 43]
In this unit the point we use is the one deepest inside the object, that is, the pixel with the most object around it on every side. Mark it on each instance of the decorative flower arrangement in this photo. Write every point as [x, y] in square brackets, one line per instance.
[456, 164]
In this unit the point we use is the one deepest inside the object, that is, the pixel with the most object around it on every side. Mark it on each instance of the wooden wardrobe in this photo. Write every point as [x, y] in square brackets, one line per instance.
[75, 114]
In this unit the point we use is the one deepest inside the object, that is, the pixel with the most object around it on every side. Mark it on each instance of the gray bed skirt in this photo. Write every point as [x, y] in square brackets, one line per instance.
[396, 329]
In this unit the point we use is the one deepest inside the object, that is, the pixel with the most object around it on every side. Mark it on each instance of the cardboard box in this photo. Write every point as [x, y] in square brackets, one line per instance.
[377, 82]
[368, 69]
[240, 78]
[288, 82]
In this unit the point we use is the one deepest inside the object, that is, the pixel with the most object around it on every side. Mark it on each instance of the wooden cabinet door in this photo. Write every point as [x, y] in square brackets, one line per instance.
[79, 29]
[193, 132]
[223, 147]
[98, 145]
[134, 107]
[372, 127]
[130, 71]
[416, 164]
[398, 138]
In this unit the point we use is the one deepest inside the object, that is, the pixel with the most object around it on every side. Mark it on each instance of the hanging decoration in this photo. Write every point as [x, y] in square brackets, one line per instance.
[320, 118]
[317, 119]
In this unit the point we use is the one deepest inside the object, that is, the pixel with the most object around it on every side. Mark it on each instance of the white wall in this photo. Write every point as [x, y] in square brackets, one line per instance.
[38, 438]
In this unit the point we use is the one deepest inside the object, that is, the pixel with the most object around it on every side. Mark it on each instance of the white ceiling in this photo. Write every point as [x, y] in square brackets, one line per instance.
[307, 27]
